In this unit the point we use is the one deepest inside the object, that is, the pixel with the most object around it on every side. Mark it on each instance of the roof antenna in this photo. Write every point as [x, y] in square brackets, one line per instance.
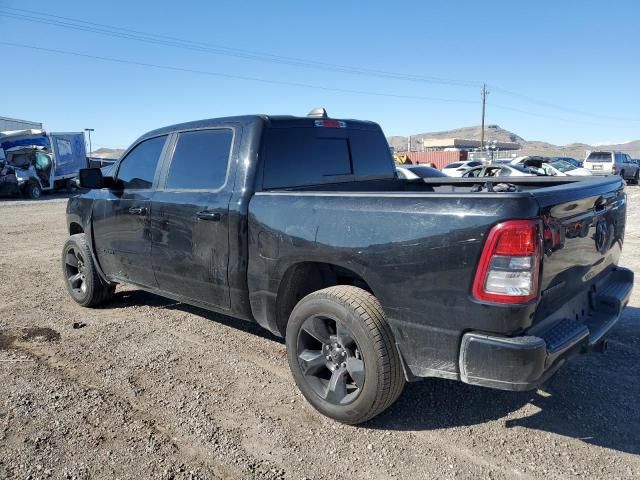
[318, 112]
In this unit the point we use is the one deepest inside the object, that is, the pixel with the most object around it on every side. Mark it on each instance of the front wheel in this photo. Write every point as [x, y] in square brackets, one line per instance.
[342, 354]
[81, 278]
[33, 191]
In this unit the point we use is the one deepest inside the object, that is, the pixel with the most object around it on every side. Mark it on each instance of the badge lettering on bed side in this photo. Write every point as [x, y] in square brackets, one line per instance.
[108, 251]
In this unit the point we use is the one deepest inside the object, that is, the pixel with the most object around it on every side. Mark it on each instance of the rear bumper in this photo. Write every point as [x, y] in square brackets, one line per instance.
[524, 362]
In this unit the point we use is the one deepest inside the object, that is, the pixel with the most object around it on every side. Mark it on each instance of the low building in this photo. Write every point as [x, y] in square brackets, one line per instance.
[443, 151]
[7, 124]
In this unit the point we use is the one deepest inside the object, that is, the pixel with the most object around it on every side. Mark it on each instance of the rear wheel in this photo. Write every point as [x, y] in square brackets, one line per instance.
[636, 177]
[342, 354]
[80, 275]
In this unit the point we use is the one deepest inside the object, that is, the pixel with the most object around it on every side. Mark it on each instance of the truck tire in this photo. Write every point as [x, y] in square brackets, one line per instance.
[342, 354]
[81, 278]
[636, 177]
[32, 190]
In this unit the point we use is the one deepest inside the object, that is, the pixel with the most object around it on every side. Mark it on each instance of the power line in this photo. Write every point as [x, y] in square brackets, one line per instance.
[556, 107]
[285, 83]
[130, 34]
[235, 77]
[165, 40]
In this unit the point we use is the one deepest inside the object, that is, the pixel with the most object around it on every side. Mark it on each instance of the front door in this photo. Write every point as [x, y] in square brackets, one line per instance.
[190, 219]
[122, 216]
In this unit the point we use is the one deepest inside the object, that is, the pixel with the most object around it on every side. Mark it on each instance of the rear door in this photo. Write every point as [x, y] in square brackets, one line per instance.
[121, 216]
[190, 221]
[629, 166]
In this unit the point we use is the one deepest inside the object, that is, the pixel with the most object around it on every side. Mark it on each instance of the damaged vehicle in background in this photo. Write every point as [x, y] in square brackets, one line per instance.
[569, 168]
[538, 165]
[413, 172]
[34, 161]
[501, 170]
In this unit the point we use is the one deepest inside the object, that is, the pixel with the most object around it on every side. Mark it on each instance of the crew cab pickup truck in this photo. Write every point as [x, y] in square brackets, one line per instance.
[302, 225]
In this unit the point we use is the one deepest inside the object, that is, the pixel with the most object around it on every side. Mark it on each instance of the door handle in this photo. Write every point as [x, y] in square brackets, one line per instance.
[137, 211]
[209, 215]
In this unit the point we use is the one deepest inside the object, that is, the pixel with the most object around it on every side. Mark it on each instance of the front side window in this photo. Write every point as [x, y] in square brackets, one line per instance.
[200, 160]
[138, 168]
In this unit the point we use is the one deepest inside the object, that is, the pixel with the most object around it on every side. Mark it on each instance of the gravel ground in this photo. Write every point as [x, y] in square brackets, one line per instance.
[149, 388]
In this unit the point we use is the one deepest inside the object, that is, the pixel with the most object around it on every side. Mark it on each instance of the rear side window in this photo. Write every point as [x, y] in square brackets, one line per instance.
[298, 156]
[454, 165]
[600, 157]
[200, 160]
[138, 168]
[474, 164]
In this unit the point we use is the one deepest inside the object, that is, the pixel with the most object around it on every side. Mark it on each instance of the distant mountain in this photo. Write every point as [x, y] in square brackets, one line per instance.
[495, 132]
[107, 153]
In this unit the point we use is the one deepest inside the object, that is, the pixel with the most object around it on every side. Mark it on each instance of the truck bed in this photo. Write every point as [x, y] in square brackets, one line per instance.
[416, 245]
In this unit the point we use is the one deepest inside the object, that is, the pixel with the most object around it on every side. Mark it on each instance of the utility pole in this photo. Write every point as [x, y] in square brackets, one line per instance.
[89, 130]
[483, 94]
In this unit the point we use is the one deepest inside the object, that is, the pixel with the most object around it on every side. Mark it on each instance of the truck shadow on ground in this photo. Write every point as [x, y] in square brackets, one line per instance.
[594, 398]
[140, 297]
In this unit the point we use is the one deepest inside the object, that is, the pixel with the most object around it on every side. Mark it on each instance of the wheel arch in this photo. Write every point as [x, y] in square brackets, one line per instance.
[302, 278]
[75, 228]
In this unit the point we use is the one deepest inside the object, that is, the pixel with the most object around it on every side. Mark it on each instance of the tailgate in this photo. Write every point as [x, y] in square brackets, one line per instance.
[584, 232]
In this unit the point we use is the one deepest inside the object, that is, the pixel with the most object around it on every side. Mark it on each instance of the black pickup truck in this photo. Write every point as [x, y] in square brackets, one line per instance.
[302, 225]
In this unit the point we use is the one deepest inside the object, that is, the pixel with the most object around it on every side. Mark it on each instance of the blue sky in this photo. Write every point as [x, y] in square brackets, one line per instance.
[577, 64]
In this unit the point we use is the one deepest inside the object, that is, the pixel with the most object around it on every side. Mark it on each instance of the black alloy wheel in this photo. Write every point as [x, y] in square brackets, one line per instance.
[342, 354]
[330, 359]
[75, 270]
[81, 277]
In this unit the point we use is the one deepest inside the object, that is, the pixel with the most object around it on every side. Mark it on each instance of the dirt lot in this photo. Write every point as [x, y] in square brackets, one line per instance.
[154, 389]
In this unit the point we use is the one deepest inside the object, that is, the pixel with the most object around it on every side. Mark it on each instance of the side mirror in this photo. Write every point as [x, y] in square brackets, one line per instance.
[91, 178]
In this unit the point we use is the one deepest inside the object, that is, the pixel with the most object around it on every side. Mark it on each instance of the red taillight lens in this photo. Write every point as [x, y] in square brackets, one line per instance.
[517, 240]
[330, 123]
[614, 169]
[508, 268]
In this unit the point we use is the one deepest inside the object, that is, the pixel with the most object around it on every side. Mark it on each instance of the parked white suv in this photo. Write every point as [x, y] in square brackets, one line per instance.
[612, 163]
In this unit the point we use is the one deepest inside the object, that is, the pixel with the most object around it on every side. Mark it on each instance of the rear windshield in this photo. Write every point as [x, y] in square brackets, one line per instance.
[454, 165]
[601, 157]
[563, 166]
[297, 156]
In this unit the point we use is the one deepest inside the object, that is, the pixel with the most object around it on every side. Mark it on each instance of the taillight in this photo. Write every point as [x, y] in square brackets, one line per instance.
[330, 123]
[508, 268]
[614, 169]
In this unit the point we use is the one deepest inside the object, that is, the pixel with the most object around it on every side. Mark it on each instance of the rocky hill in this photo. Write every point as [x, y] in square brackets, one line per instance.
[495, 132]
[107, 153]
